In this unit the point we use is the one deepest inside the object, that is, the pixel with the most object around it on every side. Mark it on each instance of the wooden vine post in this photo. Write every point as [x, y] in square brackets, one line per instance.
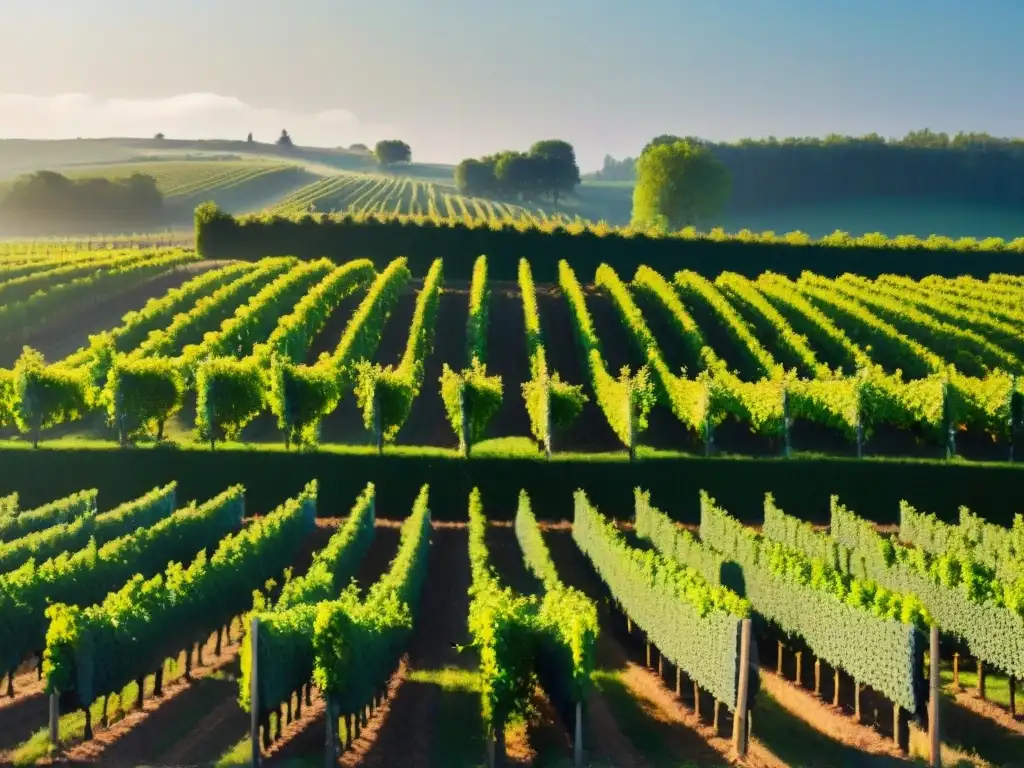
[1013, 696]
[378, 428]
[577, 745]
[787, 446]
[740, 731]
[331, 738]
[549, 422]
[464, 445]
[254, 692]
[54, 718]
[933, 701]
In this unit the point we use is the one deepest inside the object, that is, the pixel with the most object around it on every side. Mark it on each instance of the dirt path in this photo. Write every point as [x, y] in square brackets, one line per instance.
[590, 430]
[25, 713]
[427, 715]
[142, 734]
[72, 333]
[507, 357]
[853, 741]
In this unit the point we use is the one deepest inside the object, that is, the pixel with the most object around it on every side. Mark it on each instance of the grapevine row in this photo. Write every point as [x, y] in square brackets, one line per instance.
[551, 403]
[471, 397]
[386, 394]
[626, 400]
[83, 577]
[97, 650]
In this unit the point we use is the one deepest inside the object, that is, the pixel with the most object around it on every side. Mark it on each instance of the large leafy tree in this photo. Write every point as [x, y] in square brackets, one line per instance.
[559, 171]
[679, 185]
[476, 177]
[391, 151]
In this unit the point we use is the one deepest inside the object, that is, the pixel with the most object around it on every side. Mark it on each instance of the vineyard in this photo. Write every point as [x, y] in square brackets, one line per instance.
[295, 635]
[307, 353]
[366, 194]
[646, 516]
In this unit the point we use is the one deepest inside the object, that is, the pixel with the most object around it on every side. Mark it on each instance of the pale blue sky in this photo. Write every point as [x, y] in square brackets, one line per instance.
[465, 77]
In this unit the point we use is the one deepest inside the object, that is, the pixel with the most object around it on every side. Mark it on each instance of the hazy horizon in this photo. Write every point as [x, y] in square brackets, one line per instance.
[459, 79]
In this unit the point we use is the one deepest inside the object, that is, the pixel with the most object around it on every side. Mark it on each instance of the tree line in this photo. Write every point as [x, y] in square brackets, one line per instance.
[548, 168]
[48, 202]
[963, 168]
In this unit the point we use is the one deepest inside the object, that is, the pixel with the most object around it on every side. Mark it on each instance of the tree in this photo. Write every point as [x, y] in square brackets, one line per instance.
[159, 137]
[284, 140]
[475, 177]
[518, 173]
[391, 151]
[359, 148]
[559, 172]
[248, 139]
[679, 185]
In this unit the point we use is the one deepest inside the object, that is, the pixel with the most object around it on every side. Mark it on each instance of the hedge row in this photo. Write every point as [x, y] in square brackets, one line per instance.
[801, 485]
[219, 236]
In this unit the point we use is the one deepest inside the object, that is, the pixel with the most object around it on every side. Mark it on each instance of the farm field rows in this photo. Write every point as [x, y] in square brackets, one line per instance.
[311, 352]
[238, 185]
[625, 638]
[366, 194]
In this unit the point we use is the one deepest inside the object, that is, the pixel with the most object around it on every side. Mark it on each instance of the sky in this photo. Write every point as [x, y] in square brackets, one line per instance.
[458, 78]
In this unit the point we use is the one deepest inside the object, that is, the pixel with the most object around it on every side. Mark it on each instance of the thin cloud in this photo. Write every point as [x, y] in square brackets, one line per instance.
[185, 116]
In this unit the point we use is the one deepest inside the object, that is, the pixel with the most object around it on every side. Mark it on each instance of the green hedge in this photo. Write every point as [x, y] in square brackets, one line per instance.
[220, 236]
[270, 475]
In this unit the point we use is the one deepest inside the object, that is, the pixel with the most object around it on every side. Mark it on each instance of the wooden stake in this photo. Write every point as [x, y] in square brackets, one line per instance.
[956, 672]
[1013, 696]
[817, 677]
[835, 695]
[799, 669]
[254, 693]
[629, 626]
[778, 667]
[577, 747]
[741, 732]
[981, 678]
[648, 654]
[856, 700]
[679, 690]
[55, 718]
[896, 725]
[331, 739]
[714, 718]
[661, 666]
[933, 708]
[696, 699]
